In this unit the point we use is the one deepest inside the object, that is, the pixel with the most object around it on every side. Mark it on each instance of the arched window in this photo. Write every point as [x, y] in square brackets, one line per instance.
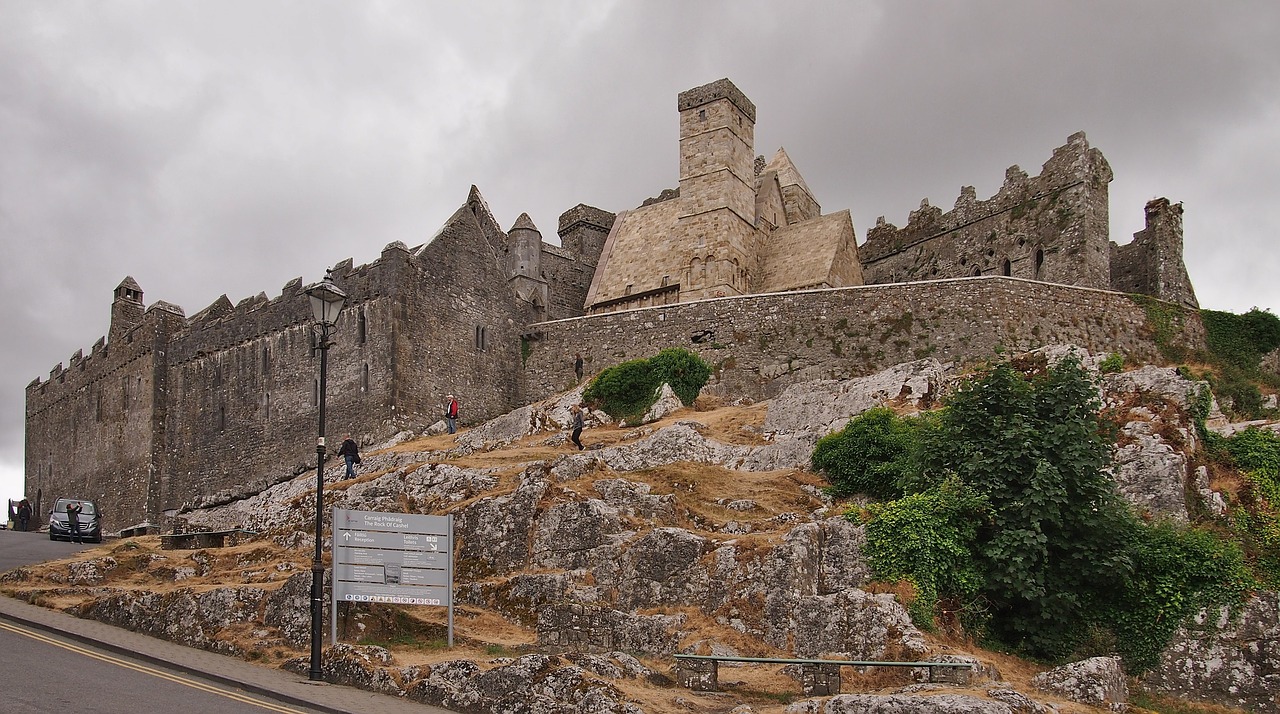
[695, 273]
[482, 338]
[1039, 264]
[360, 327]
[977, 270]
[1006, 268]
[364, 378]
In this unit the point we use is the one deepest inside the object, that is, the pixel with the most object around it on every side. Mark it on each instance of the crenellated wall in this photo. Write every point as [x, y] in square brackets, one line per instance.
[174, 409]
[1052, 227]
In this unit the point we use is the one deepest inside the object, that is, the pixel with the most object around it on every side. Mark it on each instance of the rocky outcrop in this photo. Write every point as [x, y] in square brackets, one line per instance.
[1229, 656]
[543, 684]
[899, 704]
[1097, 681]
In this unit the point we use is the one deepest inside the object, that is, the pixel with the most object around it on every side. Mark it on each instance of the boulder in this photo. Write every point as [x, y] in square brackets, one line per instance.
[1229, 656]
[1097, 681]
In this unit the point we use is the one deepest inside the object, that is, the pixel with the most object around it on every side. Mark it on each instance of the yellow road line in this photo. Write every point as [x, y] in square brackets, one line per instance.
[236, 696]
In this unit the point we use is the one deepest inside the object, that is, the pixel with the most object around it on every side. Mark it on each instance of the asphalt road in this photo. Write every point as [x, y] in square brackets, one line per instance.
[58, 675]
[19, 548]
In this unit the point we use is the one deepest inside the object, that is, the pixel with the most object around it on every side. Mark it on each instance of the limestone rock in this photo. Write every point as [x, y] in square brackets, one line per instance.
[899, 704]
[1226, 656]
[1151, 474]
[857, 625]
[666, 405]
[814, 409]
[1097, 681]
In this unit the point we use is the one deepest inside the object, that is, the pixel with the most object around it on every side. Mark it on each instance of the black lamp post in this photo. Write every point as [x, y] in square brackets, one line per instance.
[326, 302]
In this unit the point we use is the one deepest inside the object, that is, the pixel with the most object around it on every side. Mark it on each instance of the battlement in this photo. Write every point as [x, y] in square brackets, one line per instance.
[1072, 164]
[719, 89]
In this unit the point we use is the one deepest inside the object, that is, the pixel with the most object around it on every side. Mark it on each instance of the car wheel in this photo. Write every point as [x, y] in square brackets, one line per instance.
[52, 537]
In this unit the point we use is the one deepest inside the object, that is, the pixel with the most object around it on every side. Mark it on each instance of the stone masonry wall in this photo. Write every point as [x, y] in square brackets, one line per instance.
[90, 427]
[1052, 227]
[760, 344]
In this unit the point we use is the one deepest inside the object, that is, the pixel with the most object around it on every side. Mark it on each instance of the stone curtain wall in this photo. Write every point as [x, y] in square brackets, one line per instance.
[760, 344]
[1063, 213]
[89, 428]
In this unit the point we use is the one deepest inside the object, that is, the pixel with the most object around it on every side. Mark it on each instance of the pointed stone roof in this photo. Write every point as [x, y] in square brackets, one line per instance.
[788, 175]
[129, 283]
[524, 223]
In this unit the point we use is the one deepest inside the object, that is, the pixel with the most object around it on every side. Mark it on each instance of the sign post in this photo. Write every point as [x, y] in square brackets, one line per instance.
[398, 558]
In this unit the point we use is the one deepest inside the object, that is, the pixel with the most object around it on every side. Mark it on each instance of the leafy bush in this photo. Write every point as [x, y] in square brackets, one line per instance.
[1177, 571]
[926, 538]
[1032, 446]
[871, 455]
[1112, 364]
[683, 370]
[1241, 340]
[626, 391]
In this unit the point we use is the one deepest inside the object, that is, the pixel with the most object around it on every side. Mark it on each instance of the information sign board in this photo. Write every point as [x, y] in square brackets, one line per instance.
[398, 558]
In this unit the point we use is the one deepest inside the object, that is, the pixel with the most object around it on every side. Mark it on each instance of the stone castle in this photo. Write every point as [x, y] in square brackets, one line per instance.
[738, 264]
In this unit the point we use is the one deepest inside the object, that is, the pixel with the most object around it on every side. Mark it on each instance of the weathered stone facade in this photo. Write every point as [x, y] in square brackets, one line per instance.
[170, 409]
[174, 408]
[760, 344]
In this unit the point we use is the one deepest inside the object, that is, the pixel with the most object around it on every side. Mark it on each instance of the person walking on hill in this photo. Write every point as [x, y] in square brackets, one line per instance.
[577, 366]
[576, 436]
[451, 413]
[351, 453]
[24, 514]
[73, 521]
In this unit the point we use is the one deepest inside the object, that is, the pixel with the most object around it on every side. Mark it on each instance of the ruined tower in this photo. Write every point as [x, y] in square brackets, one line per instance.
[1152, 263]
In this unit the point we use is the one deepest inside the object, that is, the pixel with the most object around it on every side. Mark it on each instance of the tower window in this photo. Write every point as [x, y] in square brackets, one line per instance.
[360, 327]
[702, 114]
[1006, 268]
[364, 378]
[482, 338]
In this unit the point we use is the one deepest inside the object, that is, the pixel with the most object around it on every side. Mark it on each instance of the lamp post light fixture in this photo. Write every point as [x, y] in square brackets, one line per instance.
[326, 302]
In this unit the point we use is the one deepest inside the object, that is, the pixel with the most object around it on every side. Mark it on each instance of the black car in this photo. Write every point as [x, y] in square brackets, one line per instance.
[90, 520]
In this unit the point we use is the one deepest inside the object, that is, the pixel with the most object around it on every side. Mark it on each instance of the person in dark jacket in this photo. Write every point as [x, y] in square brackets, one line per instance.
[351, 453]
[577, 366]
[73, 521]
[24, 514]
[575, 437]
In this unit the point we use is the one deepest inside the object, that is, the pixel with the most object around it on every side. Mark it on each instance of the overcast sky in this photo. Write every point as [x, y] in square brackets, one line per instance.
[229, 147]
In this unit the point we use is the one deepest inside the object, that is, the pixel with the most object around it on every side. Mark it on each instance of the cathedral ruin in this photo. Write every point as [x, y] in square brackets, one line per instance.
[738, 264]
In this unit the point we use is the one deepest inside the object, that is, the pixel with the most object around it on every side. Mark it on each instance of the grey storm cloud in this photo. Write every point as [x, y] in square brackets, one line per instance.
[211, 148]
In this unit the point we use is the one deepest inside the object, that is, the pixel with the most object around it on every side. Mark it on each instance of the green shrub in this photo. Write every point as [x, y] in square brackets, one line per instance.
[871, 455]
[1031, 445]
[626, 391]
[683, 370]
[1112, 364]
[1177, 571]
[927, 539]
[1241, 340]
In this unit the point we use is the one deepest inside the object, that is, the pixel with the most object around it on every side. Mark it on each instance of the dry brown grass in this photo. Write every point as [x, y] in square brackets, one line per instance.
[416, 635]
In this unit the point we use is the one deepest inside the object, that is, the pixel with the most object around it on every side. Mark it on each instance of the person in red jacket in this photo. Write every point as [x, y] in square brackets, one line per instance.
[451, 413]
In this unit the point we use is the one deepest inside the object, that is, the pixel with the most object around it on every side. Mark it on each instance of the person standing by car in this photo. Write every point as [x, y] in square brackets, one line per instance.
[73, 521]
[351, 453]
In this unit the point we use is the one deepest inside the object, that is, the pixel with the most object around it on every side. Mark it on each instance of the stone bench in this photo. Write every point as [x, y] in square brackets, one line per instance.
[818, 677]
[204, 539]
